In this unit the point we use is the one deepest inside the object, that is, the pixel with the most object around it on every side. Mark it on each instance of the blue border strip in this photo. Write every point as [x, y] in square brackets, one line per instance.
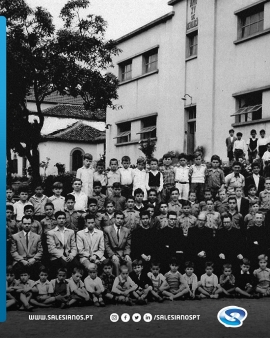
[3, 168]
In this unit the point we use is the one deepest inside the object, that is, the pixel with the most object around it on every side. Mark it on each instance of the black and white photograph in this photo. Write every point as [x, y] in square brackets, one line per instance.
[137, 168]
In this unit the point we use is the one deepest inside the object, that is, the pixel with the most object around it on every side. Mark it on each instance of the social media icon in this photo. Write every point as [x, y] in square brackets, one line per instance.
[136, 317]
[232, 316]
[114, 317]
[125, 317]
[147, 317]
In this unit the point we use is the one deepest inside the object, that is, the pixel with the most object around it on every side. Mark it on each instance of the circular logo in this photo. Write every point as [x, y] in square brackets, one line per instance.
[147, 317]
[232, 316]
[125, 317]
[114, 317]
[136, 317]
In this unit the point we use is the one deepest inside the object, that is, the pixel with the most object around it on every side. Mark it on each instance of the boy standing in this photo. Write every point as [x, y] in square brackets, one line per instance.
[198, 173]
[139, 177]
[113, 176]
[239, 147]
[117, 198]
[264, 196]
[132, 216]
[49, 221]
[181, 178]
[74, 219]
[19, 206]
[39, 201]
[126, 177]
[186, 220]
[216, 178]
[235, 179]
[100, 176]
[99, 196]
[81, 199]
[154, 178]
[229, 144]
[10, 194]
[167, 171]
[85, 174]
[57, 200]
[162, 218]
[252, 146]
[138, 199]
[262, 143]
[174, 204]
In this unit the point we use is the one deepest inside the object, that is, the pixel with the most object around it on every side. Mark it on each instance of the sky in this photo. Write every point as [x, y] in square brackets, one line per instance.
[122, 16]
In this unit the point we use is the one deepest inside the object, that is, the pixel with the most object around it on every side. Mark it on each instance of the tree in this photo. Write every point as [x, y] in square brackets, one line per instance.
[72, 60]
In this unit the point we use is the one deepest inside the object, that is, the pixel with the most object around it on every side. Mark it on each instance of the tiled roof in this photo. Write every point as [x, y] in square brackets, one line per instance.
[57, 98]
[75, 111]
[78, 132]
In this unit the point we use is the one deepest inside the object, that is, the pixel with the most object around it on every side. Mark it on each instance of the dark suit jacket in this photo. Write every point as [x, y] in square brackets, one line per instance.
[250, 180]
[112, 246]
[244, 209]
[229, 144]
[20, 252]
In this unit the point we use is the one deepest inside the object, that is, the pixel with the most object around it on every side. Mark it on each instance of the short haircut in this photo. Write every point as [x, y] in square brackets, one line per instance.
[131, 198]
[227, 266]
[174, 189]
[39, 186]
[232, 198]
[23, 189]
[70, 197]
[253, 131]
[62, 270]
[189, 264]
[226, 215]
[144, 213]
[123, 267]
[262, 131]
[163, 202]
[237, 163]
[88, 156]
[231, 131]
[10, 207]
[252, 186]
[57, 185]
[125, 159]
[24, 270]
[174, 261]
[155, 264]
[77, 180]
[173, 213]
[197, 154]
[191, 192]
[9, 187]
[216, 158]
[239, 134]
[209, 265]
[149, 205]
[267, 179]
[97, 184]
[92, 267]
[28, 206]
[207, 190]
[167, 155]
[43, 269]
[88, 216]
[113, 160]
[109, 202]
[255, 164]
[92, 200]
[185, 203]
[153, 159]
[245, 261]
[107, 262]
[263, 257]
[182, 155]
[235, 188]
[152, 190]
[77, 270]
[49, 204]
[28, 217]
[118, 212]
[141, 160]
[138, 191]
[137, 262]
[59, 213]
[100, 164]
[116, 185]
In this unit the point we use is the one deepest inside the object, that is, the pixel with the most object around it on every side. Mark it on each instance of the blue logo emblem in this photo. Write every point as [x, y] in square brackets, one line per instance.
[232, 316]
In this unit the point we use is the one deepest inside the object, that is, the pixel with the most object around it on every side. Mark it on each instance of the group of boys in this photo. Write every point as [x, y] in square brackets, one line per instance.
[136, 219]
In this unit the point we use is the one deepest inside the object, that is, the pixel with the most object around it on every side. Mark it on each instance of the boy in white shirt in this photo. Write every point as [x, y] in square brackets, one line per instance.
[239, 147]
[139, 177]
[126, 177]
[181, 177]
[86, 175]
[81, 199]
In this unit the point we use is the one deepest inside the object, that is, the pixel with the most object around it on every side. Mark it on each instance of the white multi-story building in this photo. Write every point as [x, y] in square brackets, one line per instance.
[215, 54]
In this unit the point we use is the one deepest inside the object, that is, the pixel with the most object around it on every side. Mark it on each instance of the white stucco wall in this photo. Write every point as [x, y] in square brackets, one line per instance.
[221, 69]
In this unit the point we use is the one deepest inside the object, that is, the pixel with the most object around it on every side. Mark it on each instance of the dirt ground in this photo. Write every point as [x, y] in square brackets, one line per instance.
[257, 323]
